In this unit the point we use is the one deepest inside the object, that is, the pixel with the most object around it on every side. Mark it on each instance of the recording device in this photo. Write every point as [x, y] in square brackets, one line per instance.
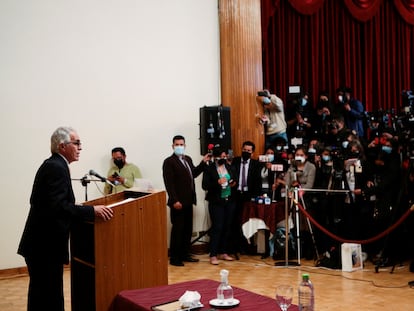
[277, 168]
[93, 173]
[264, 158]
[115, 175]
[263, 93]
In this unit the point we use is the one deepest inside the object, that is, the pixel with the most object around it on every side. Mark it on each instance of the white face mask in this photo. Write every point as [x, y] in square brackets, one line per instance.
[300, 159]
[340, 98]
[179, 150]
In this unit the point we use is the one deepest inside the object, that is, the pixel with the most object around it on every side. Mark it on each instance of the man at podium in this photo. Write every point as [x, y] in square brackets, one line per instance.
[44, 243]
[179, 173]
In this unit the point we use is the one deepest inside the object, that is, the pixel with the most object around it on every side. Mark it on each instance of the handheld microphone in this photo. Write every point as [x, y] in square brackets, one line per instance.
[93, 173]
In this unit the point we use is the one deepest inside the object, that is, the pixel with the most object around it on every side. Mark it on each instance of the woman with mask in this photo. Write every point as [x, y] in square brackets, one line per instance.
[218, 179]
[301, 175]
[266, 171]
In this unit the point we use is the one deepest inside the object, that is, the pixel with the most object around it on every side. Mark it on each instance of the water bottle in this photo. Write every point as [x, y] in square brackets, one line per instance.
[225, 291]
[306, 294]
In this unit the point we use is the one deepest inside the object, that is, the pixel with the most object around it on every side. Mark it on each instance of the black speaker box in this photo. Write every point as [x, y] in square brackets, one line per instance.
[215, 127]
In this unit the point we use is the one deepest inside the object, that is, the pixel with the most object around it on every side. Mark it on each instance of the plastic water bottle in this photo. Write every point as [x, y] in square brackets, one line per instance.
[225, 291]
[306, 294]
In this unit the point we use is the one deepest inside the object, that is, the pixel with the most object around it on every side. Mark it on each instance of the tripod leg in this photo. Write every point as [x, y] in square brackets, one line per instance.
[310, 230]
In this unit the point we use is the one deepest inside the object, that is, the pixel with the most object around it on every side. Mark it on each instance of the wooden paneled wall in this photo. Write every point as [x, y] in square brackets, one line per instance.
[241, 69]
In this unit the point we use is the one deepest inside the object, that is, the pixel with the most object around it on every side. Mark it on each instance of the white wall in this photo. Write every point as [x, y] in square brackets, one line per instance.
[129, 73]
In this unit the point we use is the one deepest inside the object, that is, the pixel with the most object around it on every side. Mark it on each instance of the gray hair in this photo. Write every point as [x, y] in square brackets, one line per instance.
[59, 136]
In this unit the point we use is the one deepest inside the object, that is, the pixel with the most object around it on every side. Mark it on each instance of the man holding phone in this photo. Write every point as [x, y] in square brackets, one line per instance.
[121, 174]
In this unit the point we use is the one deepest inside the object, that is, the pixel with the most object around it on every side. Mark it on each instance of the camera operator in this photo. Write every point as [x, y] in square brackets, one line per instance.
[300, 116]
[385, 186]
[352, 110]
[273, 118]
[356, 175]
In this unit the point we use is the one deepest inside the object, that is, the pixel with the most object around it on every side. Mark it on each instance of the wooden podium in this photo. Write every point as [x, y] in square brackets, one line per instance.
[127, 252]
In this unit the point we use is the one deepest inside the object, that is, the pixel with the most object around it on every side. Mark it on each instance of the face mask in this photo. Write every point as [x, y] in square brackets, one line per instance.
[304, 102]
[221, 161]
[340, 98]
[326, 158]
[246, 155]
[300, 159]
[179, 150]
[386, 149]
[270, 157]
[345, 144]
[266, 100]
[311, 150]
[119, 163]
[278, 148]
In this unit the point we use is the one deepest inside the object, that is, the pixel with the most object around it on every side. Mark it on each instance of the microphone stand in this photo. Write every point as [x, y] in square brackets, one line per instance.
[84, 181]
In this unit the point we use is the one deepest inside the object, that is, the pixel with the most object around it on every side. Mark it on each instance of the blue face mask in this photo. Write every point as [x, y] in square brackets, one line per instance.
[266, 100]
[179, 150]
[304, 102]
[270, 157]
[386, 149]
[326, 158]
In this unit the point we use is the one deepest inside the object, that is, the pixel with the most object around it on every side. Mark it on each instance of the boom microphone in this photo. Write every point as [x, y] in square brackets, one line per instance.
[93, 173]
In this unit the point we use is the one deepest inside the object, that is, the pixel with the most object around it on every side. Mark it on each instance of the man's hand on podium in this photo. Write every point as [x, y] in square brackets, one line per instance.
[103, 212]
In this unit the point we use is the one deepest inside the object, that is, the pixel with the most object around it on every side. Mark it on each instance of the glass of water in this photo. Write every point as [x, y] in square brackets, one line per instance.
[284, 295]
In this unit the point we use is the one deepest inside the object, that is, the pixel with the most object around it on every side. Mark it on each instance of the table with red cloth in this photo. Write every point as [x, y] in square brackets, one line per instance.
[257, 216]
[143, 299]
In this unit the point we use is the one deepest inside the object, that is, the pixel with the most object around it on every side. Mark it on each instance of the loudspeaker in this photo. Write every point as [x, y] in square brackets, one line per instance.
[215, 127]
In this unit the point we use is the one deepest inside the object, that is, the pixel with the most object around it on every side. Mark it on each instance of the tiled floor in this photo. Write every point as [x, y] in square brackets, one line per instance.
[335, 290]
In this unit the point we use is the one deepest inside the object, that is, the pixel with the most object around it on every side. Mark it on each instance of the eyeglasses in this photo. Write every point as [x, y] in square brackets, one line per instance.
[76, 143]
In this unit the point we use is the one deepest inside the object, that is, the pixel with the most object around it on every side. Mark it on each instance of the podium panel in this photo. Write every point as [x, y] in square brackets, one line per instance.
[127, 252]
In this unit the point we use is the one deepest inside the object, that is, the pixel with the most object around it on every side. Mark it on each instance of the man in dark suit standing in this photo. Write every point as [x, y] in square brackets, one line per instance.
[249, 186]
[44, 243]
[179, 173]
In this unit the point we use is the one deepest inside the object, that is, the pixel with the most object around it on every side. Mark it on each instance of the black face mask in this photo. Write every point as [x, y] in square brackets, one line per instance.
[119, 163]
[221, 161]
[246, 155]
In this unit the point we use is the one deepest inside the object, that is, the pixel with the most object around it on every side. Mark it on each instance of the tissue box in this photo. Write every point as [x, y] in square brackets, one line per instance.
[351, 254]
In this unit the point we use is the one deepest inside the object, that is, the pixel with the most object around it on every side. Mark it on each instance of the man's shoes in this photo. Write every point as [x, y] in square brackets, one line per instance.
[176, 263]
[191, 259]
[214, 260]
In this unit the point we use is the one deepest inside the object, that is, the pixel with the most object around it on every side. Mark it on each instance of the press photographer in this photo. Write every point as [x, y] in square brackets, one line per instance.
[273, 117]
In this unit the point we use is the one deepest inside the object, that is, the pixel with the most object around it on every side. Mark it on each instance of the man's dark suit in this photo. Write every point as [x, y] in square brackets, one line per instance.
[180, 188]
[254, 184]
[44, 243]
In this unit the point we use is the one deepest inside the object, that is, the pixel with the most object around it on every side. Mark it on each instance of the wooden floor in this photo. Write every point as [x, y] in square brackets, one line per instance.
[334, 289]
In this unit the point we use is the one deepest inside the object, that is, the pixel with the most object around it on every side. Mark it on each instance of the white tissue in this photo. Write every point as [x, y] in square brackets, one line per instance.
[190, 299]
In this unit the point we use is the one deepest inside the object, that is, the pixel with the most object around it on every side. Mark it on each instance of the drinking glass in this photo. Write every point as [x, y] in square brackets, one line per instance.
[284, 295]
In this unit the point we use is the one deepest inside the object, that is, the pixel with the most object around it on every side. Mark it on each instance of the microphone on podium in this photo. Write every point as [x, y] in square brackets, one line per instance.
[93, 173]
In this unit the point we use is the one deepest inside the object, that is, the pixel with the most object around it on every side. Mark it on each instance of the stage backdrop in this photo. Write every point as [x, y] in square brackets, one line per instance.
[367, 45]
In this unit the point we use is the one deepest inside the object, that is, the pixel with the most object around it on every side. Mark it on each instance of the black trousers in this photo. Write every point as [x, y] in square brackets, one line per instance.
[45, 285]
[181, 232]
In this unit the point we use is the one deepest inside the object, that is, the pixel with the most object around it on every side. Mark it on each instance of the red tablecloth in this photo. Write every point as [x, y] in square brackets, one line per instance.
[270, 214]
[144, 299]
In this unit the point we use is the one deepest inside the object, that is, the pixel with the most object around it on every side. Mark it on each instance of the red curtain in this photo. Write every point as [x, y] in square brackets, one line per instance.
[367, 45]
